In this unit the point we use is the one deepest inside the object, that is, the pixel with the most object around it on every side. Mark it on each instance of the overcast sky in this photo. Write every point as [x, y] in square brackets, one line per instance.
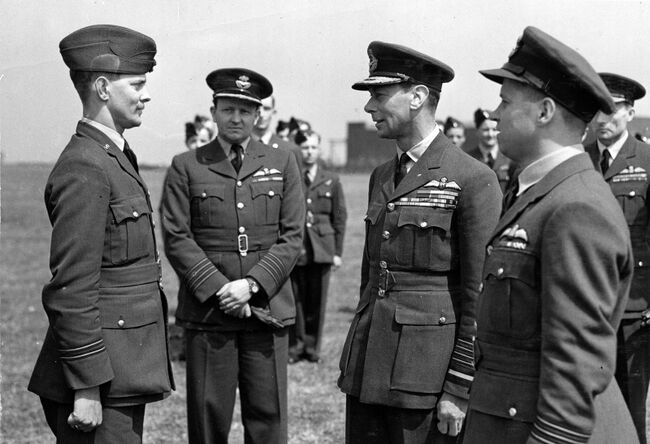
[312, 51]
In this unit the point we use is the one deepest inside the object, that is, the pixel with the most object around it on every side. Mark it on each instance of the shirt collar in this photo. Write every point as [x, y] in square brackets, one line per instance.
[115, 137]
[266, 137]
[227, 145]
[494, 151]
[312, 171]
[416, 151]
[536, 171]
[615, 147]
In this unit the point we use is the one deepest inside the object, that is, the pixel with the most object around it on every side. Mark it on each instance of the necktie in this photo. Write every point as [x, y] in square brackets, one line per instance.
[236, 160]
[307, 178]
[490, 160]
[130, 155]
[510, 197]
[604, 161]
[401, 168]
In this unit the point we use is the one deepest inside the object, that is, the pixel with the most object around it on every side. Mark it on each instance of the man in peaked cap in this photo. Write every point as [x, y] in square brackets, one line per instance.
[105, 353]
[407, 363]
[233, 217]
[455, 131]
[487, 150]
[625, 163]
[558, 266]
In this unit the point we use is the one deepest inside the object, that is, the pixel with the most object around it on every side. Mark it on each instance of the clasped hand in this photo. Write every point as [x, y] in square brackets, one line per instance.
[233, 298]
[451, 414]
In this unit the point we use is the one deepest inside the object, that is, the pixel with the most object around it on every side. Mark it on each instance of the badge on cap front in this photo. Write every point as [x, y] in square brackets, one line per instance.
[243, 82]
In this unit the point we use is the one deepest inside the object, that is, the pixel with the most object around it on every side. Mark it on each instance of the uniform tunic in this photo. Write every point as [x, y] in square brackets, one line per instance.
[503, 166]
[556, 278]
[412, 335]
[627, 177]
[106, 310]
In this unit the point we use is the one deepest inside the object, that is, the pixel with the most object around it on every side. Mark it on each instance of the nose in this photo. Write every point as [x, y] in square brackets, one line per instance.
[236, 116]
[144, 95]
[370, 106]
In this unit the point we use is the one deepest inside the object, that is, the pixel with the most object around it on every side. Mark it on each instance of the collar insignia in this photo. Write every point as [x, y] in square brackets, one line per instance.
[243, 82]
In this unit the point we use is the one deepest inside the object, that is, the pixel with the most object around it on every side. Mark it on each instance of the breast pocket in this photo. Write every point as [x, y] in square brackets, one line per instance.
[324, 203]
[267, 201]
[130, 233]
[426, 340]
[509, 304]
[631, 197]
[424, 238]
[207, 202]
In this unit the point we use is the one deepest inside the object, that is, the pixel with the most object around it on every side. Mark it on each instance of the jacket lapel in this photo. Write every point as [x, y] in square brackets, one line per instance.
[253, 159]
[419, 175]
[215, 156]
[572, 166]
[621, 162]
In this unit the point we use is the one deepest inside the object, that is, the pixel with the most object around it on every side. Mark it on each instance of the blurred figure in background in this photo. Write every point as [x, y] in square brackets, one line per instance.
[282, 130]
[322, 249]
[455, 131]
[199, 132]
[624, 163]
[487, 150]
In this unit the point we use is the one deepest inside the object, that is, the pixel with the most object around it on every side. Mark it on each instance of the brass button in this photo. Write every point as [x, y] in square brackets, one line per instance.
[271, 193]
[480, 287]
[135, 214]
[328, 194]
[512, 411]
[423, 224]
[204, 194]
[275, 145]
[153, 223]
[390, 206]
[120, 323]
[381, 292]
[632, 193]
[640, 263]
[489, 249]
[309, 200]
[500, 271]
[442, 320]
[385, 234]
[242, 229]
[239, 183]
[308, 224]
[240, 205]
[383, 264]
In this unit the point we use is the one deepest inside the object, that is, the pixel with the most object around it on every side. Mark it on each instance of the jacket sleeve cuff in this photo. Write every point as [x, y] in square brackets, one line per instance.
[270, 272]
[86, 366]
[204, 279]
[461, 369]
[546, 431]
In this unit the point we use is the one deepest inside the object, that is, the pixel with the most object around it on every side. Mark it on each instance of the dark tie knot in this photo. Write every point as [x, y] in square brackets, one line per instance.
[236, 160]
[604, 161]
[401, 168]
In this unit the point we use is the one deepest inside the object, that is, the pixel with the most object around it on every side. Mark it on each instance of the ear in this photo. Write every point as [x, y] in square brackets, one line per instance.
[420, 94]
[213, 111]
[546, 110]
[630, 114]
[101, 86]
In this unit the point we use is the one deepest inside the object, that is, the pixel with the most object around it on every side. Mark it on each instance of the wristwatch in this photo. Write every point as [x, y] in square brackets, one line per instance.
[252, 285]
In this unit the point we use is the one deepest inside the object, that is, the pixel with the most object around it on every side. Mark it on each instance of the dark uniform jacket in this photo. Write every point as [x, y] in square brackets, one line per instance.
[326, 217]
[412, 335]
[503, 166]
[556, 279]
[278, 142]
[221, 226]
[106, 311]
[627, 177]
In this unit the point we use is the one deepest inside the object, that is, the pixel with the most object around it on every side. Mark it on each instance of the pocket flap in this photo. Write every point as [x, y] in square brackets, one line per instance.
[325, 229]
[374, 210]
[425, 218]
[128, 311]
[512, 264]
[208, 190]
[131, 208]
[505, 396]
[327, 193]
[424, 309]
[270, 189]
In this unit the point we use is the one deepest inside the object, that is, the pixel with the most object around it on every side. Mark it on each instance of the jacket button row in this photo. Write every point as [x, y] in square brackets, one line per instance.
[308, 200]
[120, 323]
[512, 411]
[308, 224]
[381, 292]
[240, 205]
[383, 264]
[385, 234]
[204, 194]
[239, 183]
[442, 320]
[242, 229]
[640, 263]
[390, 206]
[423, 224]
[489, 249]
[135, 214]
[271, 193]
[632, 193]
[500, 271]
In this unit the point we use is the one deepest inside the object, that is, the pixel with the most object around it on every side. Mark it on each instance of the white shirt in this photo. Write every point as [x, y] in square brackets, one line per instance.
[536, 171]
[312, 171]
[115, 137]
[416, 151]
[614, 148]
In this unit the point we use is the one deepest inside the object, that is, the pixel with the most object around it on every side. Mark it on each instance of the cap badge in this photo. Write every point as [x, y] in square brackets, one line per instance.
[372, 63]
[517, 46]
[243, 82]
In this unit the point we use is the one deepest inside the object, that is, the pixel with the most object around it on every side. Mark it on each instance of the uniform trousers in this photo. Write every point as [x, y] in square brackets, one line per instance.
[120, 425]
[310, 284]
[633, 370]
[380, 424]
[220, 361]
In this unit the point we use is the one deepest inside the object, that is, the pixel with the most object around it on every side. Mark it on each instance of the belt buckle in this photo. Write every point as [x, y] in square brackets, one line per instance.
[242, 244]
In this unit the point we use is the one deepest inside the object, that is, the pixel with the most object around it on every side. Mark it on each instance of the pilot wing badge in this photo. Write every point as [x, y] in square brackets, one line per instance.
[513, 237]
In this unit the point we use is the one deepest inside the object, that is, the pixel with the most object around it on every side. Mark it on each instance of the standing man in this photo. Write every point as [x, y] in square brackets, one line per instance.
[488, 151]
[233, 216]
[105, 353]
[455, 131]
[321, 252]
[263, 130]
[407, 363]
[558, 266]
[624, 163]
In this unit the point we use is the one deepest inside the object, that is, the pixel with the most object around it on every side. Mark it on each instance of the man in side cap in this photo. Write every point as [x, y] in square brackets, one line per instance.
[105, 353]
[487, 150]
[407, 363]
[625, 163]
[233, 216]
[455, 131]
[558, 266]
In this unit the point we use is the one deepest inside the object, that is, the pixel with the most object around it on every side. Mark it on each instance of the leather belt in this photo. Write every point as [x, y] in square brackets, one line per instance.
[130, 276]
[386, 280]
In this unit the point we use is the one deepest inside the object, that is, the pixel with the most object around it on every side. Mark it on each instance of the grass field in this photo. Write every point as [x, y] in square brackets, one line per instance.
[316, 405]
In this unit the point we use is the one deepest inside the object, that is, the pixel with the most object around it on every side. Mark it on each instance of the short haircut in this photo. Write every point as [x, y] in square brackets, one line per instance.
[83, 80]
[434, 96]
